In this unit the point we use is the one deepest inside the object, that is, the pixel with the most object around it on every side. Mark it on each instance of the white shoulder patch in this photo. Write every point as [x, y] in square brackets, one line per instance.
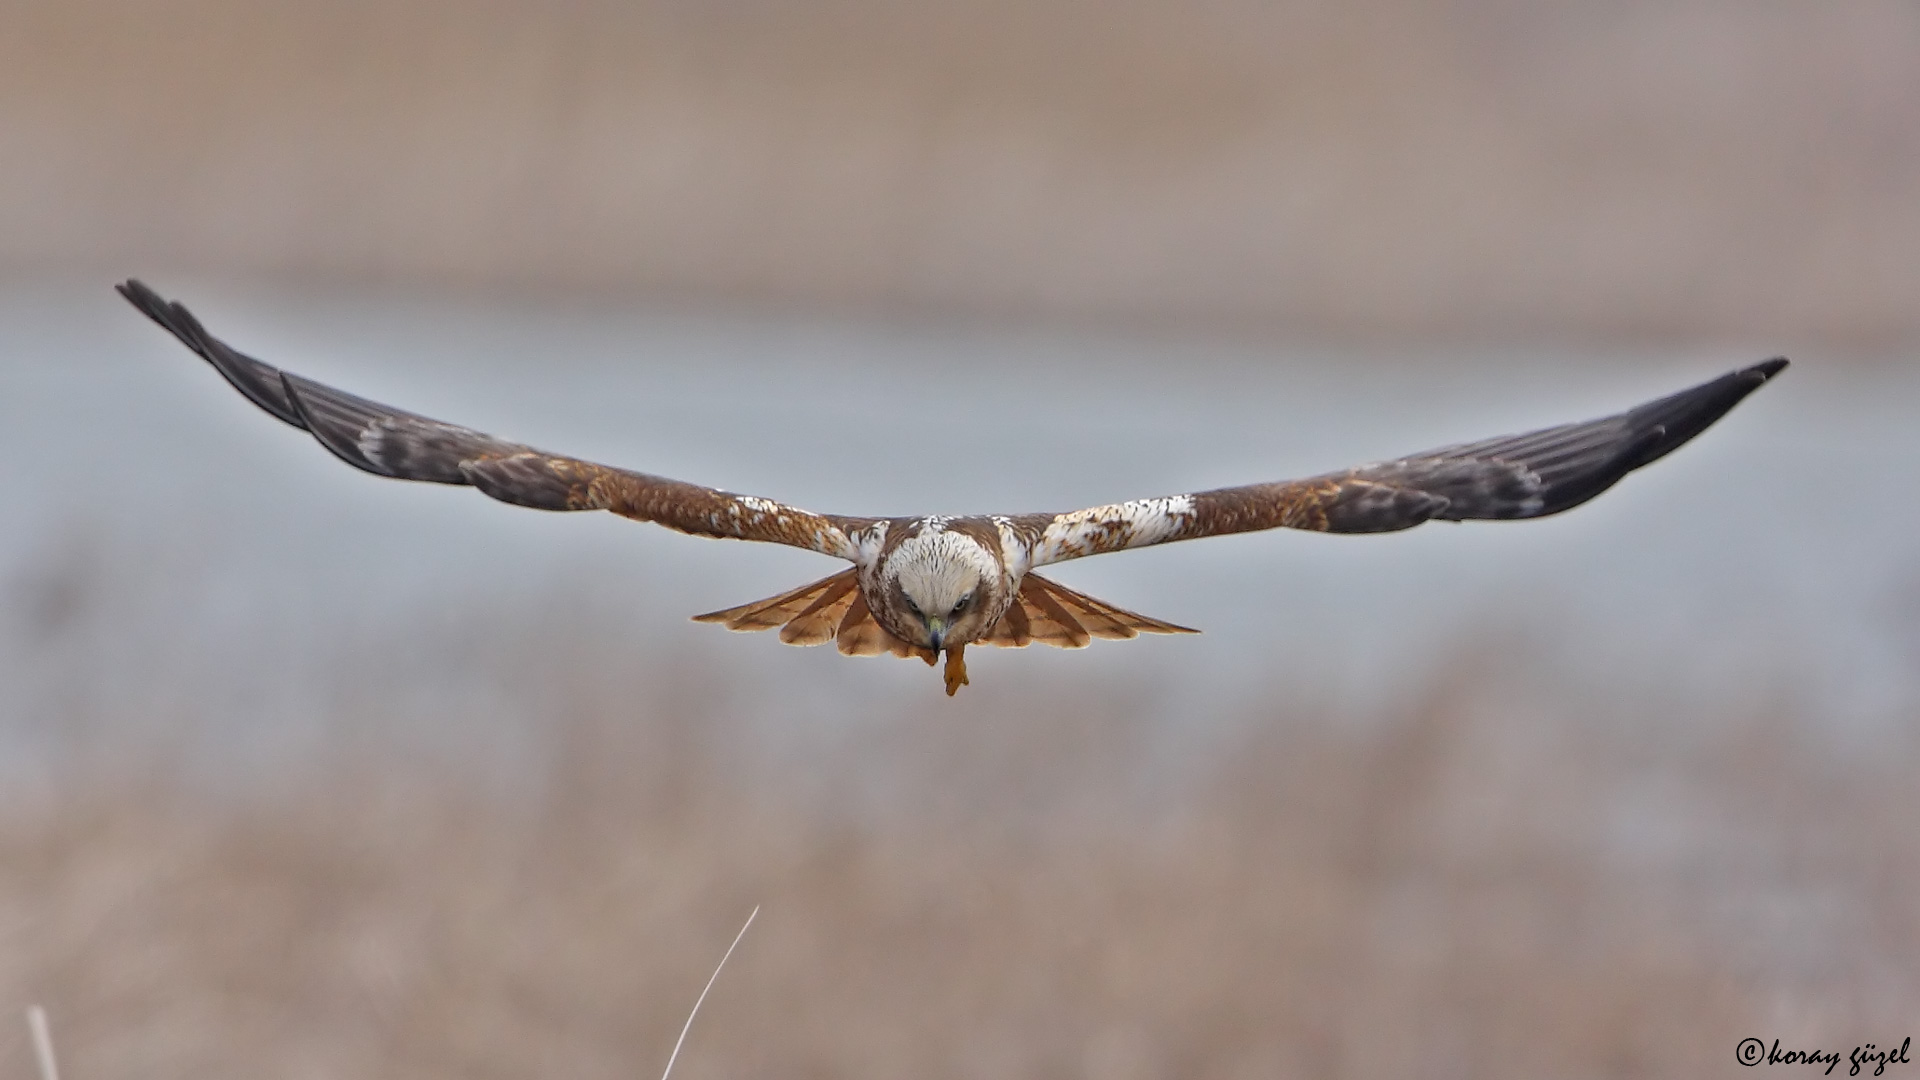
[1136, 523]
[1015, 554]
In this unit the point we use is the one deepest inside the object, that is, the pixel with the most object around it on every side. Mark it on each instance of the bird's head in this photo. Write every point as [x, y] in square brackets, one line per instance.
[942, 588]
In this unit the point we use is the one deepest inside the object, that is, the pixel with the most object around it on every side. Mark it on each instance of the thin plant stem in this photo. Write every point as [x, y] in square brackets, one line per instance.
[684, 1028]
[42, 1042]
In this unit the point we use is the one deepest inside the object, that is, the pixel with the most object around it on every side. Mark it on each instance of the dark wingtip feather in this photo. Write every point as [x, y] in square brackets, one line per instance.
[144, 298]
[1568, 464]
[259, 382]
[172, 316]
[1659, 427]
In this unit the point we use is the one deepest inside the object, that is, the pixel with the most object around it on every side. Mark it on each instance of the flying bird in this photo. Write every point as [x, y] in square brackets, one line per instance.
[923, 586]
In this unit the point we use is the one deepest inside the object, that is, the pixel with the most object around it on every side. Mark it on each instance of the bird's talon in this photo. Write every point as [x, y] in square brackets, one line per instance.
[956, 669]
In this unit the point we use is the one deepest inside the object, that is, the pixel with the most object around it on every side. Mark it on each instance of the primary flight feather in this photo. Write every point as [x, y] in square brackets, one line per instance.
[927, 585]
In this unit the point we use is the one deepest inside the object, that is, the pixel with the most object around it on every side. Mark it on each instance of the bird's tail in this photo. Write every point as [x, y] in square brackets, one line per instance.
[830, 609]
[1052, 614]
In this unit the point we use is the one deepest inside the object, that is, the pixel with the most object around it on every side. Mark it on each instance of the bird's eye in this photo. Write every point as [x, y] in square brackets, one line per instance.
[964, 601]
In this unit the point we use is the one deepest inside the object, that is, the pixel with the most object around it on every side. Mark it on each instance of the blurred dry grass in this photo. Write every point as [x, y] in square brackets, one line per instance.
[1510, 879]
[1739, 169]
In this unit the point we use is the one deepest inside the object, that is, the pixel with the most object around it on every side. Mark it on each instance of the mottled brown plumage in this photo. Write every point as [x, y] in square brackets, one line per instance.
[923, 586]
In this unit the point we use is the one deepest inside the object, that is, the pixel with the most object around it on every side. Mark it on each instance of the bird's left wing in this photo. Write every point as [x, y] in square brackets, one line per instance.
[390, 442]
[1513, 476]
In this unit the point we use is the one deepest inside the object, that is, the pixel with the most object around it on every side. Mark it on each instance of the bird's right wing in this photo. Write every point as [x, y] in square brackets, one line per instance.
[1513, 476]
[390, 442]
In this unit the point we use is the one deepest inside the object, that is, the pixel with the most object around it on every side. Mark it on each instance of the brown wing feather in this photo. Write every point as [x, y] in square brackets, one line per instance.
[1514, 476]
[799, 612]
[1052, 614]
[1052, 623]
[392, 442]
[819, 621]
[1013, 631]
[860, 635]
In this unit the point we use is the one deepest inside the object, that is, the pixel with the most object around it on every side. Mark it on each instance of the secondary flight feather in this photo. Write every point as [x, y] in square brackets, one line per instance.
[923, 586]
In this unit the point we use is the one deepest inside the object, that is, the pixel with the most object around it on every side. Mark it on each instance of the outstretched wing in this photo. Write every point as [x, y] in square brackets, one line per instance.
[390, 442]
[1513, 476]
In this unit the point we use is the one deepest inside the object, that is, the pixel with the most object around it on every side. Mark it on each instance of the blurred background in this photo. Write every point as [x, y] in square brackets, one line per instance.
[308, 774]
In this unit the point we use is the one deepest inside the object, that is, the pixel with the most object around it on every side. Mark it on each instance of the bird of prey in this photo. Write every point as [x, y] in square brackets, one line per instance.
[923, 586]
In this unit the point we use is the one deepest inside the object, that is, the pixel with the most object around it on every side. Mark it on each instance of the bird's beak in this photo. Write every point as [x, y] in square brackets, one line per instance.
[936, 628]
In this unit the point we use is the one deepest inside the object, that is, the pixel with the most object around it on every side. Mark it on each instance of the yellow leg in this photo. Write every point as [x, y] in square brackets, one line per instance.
[956, 669]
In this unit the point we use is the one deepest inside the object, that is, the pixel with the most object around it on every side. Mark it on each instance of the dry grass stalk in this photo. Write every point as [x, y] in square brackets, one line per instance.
[42, 1043]
[701, 1000]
